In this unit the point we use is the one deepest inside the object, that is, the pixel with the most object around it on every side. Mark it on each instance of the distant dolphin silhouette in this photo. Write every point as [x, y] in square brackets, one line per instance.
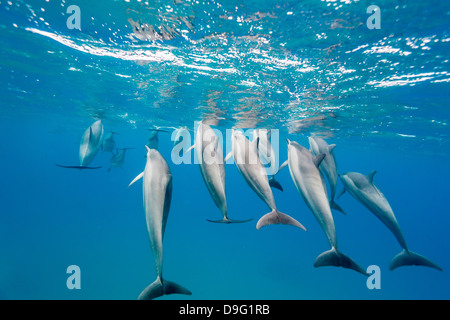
[362, 188]
[157, 194]
[304, 169]
[108, 143]
[118, 159]
[212, 168]
[328, 166]
[89, 146]
[246, 158]
[153, 140]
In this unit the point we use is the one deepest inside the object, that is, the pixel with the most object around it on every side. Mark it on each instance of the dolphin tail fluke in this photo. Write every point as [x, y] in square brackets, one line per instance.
[277, 217]
[228, 220]
[275, 184]
[335, 206]
[335, 258]
[409, 258]
[162, 287]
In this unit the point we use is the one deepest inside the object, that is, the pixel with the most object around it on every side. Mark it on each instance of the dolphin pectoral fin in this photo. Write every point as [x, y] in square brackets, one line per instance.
[190, 148]
[161, 287]
[228, 156]
[284, 164]
[140, 175]
[275, 184]
[409, 258]
[331, 147]
[277, 217]
[335, 206]
[227, 220]
[341, 193]
[335, 258]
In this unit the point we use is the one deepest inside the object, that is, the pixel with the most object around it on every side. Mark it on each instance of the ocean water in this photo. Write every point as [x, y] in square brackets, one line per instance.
[298, 67]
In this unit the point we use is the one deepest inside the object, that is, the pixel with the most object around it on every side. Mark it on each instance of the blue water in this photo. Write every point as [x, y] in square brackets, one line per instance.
[300, 67]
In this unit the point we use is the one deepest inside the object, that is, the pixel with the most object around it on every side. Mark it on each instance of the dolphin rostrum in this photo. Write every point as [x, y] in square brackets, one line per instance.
[362, 188]
[157, 194]
[304, 169]
[328, 166]
[89, 146]
[212, 167]
[246, 158]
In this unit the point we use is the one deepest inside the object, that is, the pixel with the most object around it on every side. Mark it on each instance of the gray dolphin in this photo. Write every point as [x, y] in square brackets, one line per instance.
[362, 188]
[90, 143]
[328, 166]
[267, 153]
[210, 156]
[108, 143]
[157, 193]
[246, 158]
[304, 169]
[89, 146]
[118, 158]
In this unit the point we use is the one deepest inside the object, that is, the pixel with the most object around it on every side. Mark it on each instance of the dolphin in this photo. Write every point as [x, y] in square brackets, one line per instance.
[108, 143]
[267, 154]
[89, 146]
[328, 166]
[157, 193]
[209, 152]
[118, 159]
[153, 141]
[362, 188]
[304, 169]
[248, 162]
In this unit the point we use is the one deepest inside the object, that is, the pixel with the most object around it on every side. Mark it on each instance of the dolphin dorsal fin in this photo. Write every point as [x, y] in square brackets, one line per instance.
[318, 159]
[331, 147]
[370, 176]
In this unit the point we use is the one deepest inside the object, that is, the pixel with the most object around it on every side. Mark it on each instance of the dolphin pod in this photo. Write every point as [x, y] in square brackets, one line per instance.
[212, 167]
[310, 170]
[157, 194]
[304, 169]
[362, 188]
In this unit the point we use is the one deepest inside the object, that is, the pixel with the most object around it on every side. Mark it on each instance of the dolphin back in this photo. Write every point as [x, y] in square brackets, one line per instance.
[162, 287]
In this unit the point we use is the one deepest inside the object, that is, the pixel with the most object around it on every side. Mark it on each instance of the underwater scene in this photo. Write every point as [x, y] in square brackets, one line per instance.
[224, 150]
